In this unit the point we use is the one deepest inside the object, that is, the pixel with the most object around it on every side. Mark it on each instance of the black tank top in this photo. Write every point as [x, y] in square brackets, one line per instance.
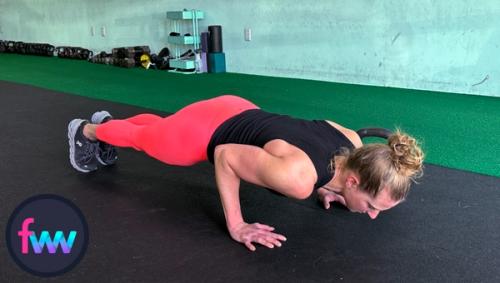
[317, 138]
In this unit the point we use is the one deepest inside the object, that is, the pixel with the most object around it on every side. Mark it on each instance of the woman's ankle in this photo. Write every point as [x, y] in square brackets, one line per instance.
[89, 131]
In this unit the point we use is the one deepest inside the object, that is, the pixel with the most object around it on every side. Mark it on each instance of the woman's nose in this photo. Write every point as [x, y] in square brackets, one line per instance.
[373, 213]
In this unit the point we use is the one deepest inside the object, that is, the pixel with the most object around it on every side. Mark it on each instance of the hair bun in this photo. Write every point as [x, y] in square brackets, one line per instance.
[407, 156]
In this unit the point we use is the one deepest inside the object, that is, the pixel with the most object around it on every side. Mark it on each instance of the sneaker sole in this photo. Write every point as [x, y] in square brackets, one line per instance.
[99, 116]
[72, 128]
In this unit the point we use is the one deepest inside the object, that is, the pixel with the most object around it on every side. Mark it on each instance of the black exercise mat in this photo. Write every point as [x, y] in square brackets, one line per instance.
[150, 222]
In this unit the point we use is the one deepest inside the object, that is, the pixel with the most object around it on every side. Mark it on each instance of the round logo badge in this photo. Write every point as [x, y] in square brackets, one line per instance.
[47, 235]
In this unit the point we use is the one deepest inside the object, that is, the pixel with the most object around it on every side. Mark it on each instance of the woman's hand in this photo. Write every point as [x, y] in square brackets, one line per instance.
[326, 197]
[256, 233]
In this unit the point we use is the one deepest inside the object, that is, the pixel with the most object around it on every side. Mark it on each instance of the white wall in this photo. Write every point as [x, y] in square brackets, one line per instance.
[445, 45]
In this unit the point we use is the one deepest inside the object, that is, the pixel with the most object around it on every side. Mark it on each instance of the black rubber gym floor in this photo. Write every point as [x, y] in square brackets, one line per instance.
[150, 222]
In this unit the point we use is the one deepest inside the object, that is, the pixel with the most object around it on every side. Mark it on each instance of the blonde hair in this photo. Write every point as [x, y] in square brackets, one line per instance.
[394, 165]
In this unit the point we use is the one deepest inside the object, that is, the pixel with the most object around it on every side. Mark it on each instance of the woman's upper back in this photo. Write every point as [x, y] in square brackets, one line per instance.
[318, 139]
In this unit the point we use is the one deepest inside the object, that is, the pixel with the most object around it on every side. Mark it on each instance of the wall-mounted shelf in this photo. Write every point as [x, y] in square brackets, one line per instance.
[185, 15]
[183, 64]
[186, 40]
[179, 19]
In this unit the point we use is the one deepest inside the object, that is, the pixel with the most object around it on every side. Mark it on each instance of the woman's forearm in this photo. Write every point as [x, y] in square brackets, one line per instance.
[234, 163]
[228, 184]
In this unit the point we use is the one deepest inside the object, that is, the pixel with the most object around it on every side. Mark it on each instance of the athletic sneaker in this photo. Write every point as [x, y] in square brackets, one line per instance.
[81, 149]
[106, 154]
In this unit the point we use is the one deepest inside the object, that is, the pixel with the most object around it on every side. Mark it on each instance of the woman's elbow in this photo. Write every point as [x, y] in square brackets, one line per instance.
[220, 155]
[301, 190]
[301, 185]
[303, 194]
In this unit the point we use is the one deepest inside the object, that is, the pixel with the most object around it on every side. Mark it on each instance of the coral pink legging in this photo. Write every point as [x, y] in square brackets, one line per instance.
[179, 139]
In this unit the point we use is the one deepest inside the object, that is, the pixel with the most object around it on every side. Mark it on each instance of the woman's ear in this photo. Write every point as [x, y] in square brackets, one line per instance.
[352, 181]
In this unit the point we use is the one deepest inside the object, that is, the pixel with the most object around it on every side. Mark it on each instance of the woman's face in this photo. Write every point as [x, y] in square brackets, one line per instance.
[360, 201]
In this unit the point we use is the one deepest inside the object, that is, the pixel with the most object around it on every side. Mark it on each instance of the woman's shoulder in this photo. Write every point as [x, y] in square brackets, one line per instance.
[348, 133]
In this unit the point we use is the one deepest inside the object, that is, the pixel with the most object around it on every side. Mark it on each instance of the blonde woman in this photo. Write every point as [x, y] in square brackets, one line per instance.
[288, 155]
